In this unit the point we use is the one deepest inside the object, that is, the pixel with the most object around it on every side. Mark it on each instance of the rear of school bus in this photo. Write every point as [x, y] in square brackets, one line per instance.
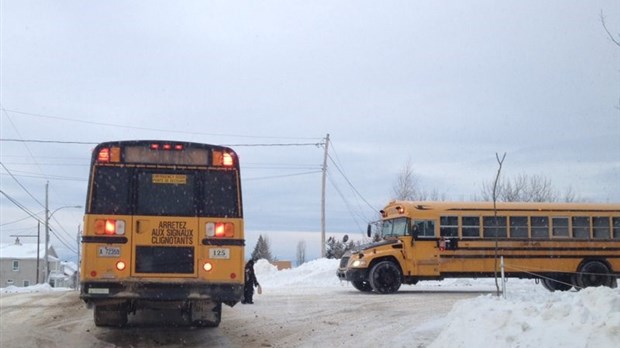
[163, 229]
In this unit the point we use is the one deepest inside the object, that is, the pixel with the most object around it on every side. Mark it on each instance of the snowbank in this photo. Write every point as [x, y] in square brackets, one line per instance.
[530, 316]
[588, 318]
[29, 289]
[319, 273]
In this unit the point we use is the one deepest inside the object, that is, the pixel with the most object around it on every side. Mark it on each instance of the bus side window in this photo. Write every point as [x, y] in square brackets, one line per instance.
[424, 228]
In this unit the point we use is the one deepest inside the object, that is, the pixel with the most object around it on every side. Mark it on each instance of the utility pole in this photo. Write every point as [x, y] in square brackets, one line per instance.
[38, 250]
[323, 197]
[47, 232]
[79, 263]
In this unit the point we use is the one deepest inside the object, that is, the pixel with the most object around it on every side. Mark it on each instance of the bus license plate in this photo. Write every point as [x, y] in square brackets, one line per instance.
[219, 253]
[106, 251]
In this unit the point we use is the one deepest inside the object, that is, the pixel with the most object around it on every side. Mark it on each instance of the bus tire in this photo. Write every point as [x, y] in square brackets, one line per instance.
[385, 277]
[206, 313]
[557, 283]
[110, 315]
[594, 273]
[362, 285]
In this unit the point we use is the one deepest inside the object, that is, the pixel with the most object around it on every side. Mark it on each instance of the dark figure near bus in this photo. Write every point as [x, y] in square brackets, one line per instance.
[250, 282]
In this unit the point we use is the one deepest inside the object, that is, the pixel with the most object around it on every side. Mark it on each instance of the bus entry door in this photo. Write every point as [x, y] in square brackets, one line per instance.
[425, 252]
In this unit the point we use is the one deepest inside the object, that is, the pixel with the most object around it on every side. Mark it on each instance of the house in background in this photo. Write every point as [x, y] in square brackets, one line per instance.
[18, 265]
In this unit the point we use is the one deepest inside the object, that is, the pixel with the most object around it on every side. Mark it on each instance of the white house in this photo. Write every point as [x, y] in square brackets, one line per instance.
[19, 265]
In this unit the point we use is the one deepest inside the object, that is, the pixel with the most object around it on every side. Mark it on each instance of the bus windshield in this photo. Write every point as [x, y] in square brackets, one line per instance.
[395, 227]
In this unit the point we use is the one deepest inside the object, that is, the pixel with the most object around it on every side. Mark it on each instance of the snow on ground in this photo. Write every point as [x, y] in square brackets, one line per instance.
[530, 316]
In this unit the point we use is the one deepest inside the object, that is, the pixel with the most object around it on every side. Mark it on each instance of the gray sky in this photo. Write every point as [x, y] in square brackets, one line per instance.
[446, 84]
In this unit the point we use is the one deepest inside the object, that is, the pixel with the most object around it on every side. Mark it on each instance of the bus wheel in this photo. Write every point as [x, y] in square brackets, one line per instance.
[594, 273]
[557, 283]
[206, 313]
[385, 277]
[362, 285]
[110, 315]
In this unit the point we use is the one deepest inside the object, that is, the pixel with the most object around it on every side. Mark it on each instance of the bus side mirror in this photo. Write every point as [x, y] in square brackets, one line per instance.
[369, 230]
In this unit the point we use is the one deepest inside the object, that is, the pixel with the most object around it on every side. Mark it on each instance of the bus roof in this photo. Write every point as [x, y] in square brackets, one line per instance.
[504, 206]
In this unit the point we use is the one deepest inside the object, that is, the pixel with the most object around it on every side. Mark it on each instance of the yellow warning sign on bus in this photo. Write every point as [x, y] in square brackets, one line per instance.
[169, 179]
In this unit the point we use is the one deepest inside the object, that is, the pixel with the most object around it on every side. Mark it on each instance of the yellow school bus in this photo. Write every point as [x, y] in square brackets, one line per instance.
[565, 245]
[163, 228]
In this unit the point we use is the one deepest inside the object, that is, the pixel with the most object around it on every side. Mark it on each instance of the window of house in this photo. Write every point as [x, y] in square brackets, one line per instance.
[540, 227]
[560, 227]
[471, 227]
[519, 226]
[600, 227]
[9, 282]
[15, 265]
[616, 227]
[26, 283]
[449, 226]
[581, 227]
[494, 226]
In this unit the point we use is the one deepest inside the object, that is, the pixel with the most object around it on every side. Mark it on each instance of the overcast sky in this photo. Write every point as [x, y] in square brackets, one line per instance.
[446, 84]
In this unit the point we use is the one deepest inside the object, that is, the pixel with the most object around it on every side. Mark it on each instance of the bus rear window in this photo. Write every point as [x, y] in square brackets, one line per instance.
[111, 191]
[221, 194]
[160, 193]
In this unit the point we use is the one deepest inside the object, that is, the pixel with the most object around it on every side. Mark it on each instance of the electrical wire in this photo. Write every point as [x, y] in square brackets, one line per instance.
[143, 128]
[20, 185]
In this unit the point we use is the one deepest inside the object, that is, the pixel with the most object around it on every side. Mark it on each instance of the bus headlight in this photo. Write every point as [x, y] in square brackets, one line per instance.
[359, 263]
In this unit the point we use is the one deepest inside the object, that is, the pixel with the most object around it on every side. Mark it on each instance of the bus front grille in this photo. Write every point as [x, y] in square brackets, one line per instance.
[176, 260]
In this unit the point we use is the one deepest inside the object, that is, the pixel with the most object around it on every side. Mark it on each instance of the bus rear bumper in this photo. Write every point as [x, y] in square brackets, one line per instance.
[102, 292]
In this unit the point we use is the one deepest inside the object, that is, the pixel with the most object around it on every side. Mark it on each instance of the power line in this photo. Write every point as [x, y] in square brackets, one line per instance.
[317, 144]
[346, 202]
[48, 141]
[144, 128]
[20, 184]
[281, 176]
[350, 183]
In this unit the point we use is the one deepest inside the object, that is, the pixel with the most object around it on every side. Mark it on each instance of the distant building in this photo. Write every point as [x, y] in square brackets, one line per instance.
[18, 266]
[282, 265]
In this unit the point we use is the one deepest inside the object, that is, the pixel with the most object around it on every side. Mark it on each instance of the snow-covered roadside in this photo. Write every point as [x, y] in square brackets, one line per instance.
[529, 317]
[30, 289]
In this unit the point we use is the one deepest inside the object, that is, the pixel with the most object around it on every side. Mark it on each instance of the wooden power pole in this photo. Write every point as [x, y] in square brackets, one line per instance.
[323, 197]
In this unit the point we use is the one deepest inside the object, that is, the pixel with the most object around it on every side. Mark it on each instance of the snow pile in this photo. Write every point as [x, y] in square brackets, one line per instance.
[562, 319]
[29, 289]
[319, 273]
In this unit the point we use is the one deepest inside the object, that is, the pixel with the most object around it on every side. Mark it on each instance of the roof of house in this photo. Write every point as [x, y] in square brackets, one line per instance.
[23, 251]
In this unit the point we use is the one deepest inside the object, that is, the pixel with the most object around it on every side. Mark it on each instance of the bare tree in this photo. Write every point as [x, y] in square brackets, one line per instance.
[407, 187]
[611, 37]
[301, 252]
[522, 188]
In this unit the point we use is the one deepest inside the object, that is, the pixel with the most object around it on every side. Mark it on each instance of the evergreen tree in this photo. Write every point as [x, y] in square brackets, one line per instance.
[262, 250]
[335, 249]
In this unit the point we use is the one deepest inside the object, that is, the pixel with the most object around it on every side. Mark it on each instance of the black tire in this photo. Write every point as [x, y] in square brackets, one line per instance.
[385, 277]
[110, 315]
[213, 321]
[362, 285]
[557, 283]
[595, 273]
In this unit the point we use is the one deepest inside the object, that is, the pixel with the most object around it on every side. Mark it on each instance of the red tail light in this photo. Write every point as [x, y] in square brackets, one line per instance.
[220, 229]
[104, 155]
[109, 227]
